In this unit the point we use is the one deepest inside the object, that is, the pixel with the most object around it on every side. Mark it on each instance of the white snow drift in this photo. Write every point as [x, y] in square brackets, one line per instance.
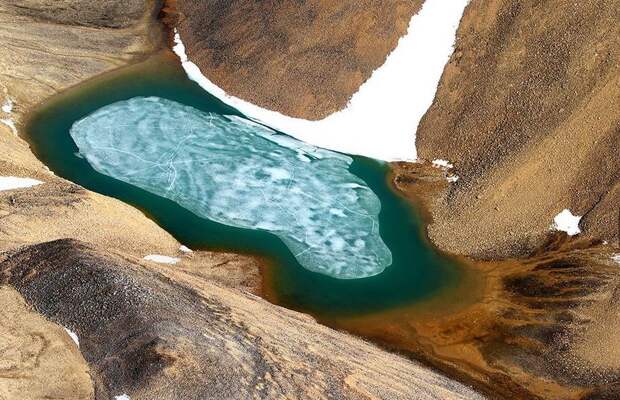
[13, 182]
[439, 163]
[567, 222]
[162, 259]
[7, 108]
[185, 249]
[381, 119]
[73, 336]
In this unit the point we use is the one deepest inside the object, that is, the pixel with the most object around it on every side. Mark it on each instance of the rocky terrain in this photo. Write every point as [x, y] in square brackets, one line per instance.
[157, 332]
[527, 108]
[538, 327]
[304, 59]
[528, 112]
[145, 330]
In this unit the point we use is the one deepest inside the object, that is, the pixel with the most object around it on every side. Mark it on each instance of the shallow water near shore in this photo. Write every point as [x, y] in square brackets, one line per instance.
[418, 271]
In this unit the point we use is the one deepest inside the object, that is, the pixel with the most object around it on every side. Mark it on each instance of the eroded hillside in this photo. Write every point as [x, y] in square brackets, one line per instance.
[162, 333]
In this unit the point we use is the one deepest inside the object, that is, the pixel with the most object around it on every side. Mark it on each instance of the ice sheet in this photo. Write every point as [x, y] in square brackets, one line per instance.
[240, 173]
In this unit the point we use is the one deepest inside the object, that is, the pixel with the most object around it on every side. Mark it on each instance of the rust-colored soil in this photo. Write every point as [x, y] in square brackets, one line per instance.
[538, 327]
[159, 332]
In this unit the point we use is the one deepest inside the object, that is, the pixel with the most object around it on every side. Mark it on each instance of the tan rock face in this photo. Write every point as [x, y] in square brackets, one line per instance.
[45, 46]
[302, 58]
[528, 110]
[38, 360]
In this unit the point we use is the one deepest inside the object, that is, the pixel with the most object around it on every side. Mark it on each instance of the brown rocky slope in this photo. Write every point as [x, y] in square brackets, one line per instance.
[528, 110]
[302, 58]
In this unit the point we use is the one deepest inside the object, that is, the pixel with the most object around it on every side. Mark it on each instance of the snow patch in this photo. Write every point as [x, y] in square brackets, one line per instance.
[567, 222]
[162, 259]
[381, 119]
[73, 336]
[452, 178]
[7, 108]
[616, 258]
[185, 249]
[12, 182]
[439, 163]
[122, 397]
[9, 122]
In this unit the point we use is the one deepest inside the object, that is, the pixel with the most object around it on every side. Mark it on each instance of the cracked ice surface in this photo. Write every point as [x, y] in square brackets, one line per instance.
[242, 174]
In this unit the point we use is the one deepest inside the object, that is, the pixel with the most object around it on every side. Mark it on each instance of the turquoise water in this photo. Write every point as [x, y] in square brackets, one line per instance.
[417, 271]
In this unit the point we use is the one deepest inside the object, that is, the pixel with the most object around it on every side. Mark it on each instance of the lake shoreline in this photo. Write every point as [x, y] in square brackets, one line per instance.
[442, 302]
[156, 63]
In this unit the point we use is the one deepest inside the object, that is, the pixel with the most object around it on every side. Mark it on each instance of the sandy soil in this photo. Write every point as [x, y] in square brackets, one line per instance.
[38, 359]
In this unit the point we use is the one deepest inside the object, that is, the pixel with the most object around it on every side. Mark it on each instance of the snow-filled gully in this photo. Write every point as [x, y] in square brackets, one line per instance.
[381, 119]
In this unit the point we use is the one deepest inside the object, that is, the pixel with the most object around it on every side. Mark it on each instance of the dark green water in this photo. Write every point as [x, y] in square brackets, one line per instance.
[418, 270]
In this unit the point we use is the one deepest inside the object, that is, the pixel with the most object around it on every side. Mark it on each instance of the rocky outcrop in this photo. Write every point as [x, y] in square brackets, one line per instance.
[302, 58]
[528, 112]
[162, 333]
